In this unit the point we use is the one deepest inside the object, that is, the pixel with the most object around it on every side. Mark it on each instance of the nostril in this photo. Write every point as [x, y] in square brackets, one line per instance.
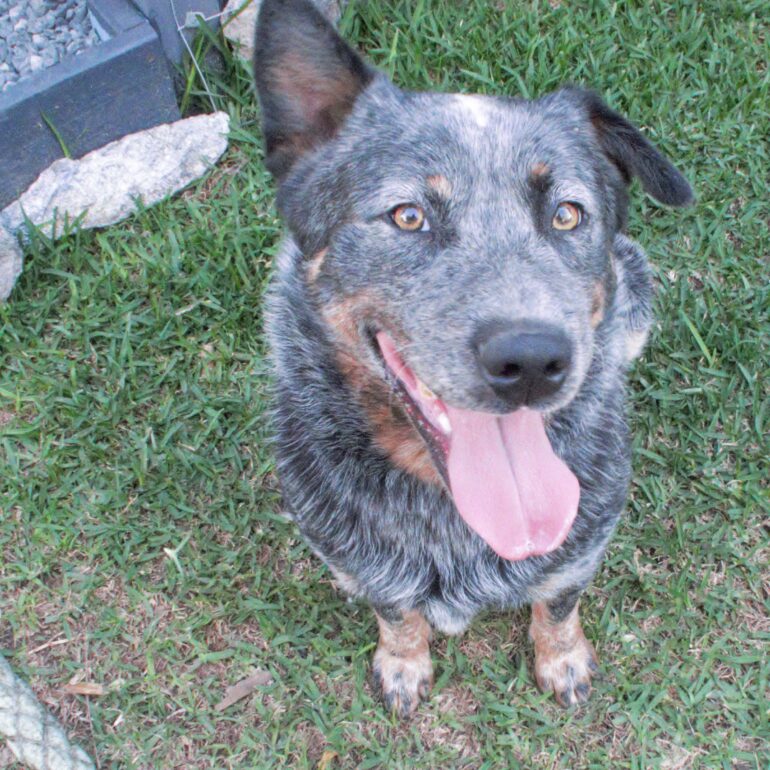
[510, 371]
[554, 369]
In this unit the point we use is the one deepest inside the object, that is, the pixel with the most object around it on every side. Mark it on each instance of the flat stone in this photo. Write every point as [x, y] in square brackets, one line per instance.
[11, 260]
[103, 186]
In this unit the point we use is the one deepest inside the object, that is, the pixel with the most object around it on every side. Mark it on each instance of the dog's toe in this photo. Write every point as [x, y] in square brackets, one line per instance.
[566, 673]
[402, 681]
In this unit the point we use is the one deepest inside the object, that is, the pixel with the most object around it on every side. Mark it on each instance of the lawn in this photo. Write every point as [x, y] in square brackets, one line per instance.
[141, 542]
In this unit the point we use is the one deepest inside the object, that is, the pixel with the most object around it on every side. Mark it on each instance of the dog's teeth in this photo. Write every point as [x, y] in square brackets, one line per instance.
[425, 391]
[443, 422]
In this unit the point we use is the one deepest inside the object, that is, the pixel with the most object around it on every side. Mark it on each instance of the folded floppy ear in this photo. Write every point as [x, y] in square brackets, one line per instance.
[627, 148]
[307, 79]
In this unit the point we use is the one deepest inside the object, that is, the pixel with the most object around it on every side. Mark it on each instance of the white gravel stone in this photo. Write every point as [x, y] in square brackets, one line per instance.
[104, 185]
[11, 260]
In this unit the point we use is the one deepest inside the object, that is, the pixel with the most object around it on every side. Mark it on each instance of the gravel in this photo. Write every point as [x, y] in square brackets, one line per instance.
[36, 34]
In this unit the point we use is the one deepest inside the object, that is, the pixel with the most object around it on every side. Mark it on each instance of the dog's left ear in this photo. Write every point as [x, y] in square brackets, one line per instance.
[307, 79]
[627, 148]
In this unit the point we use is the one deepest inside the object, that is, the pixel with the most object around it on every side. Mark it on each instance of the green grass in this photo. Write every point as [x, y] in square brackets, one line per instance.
[141, 545]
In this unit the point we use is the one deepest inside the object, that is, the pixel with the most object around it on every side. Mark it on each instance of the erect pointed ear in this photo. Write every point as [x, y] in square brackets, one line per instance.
[307, 79]
[627, 148]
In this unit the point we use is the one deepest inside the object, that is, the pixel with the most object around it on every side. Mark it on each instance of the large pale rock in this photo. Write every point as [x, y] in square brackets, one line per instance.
[10, 264]
[103, 187]
[240, 21]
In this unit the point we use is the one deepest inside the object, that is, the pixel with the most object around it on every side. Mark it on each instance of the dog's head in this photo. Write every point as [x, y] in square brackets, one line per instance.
[458, 247]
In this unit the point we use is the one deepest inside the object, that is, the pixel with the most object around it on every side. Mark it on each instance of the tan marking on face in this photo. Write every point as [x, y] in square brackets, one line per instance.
[597, 304]
[564, 658]
[396, 436]
[315, 264]
[539, 170]
[440, 184]
[392, 431]
[402, 663]
[345, 316]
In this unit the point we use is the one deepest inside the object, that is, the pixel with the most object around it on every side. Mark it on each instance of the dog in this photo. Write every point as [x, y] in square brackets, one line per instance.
[451, 319]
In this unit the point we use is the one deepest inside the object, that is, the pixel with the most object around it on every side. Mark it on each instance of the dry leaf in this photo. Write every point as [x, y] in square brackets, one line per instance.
[326, 759]
[83, 688]
[243, 688]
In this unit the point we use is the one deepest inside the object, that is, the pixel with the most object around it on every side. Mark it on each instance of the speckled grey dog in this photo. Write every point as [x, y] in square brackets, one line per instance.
[451, 321]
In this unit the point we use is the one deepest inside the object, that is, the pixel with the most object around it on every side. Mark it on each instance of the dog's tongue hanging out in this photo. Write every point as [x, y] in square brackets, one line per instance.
[506, 481]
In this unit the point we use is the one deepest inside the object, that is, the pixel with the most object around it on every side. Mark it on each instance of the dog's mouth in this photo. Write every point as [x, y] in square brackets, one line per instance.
[505, 479]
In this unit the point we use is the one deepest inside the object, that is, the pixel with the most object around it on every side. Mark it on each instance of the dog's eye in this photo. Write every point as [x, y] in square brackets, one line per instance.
[409, 217]
[567, 217]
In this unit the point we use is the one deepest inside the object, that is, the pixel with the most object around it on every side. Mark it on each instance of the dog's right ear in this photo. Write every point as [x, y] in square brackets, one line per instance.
[307, 79]
[634, 155]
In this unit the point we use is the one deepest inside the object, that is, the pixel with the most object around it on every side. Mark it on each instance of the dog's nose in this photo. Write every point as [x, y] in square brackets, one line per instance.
[524, 361]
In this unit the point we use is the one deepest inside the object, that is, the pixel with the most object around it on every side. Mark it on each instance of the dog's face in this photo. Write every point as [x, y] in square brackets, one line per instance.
[466, 219]
[458, 247]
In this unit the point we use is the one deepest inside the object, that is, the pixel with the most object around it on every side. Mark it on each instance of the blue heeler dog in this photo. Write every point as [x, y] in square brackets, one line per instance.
[451, 322]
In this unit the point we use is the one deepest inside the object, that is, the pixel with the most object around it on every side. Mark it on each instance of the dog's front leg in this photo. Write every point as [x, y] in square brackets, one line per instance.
[564, 658]
[402, 666]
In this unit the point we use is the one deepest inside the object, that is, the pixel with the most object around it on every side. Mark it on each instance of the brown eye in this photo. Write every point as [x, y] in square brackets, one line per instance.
[409, 217]
[567, 216]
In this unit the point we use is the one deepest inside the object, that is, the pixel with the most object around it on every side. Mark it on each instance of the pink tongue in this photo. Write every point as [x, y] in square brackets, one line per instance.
[508, 484]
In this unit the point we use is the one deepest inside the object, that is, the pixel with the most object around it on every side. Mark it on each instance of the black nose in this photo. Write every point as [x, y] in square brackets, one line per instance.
[524, 361]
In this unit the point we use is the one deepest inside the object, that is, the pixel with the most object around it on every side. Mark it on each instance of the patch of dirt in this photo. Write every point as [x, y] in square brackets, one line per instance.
[676, 757]
[226, 169]
[457, 700]
[312, 740]
[433, 734]
[59, 645]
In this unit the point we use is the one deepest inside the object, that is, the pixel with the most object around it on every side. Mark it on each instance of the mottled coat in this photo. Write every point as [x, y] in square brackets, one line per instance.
[347, 146]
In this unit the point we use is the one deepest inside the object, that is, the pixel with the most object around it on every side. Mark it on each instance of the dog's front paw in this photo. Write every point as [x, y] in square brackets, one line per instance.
[566, 673]
[564, 659]
[403, 681]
